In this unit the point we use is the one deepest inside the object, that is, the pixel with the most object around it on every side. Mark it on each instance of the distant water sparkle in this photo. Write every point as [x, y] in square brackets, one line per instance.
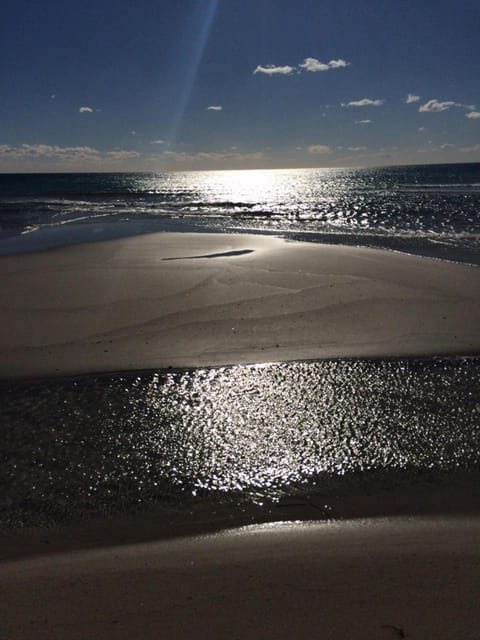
[434, 210]
[97, 445]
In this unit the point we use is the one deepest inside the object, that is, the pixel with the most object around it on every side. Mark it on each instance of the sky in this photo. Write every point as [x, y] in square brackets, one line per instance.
[237, 84]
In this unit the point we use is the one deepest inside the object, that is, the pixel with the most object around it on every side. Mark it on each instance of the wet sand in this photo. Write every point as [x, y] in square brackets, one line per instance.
[187, 300]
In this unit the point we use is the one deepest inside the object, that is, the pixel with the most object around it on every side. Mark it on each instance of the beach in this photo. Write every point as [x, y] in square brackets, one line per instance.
[239, 320]
[402, 562]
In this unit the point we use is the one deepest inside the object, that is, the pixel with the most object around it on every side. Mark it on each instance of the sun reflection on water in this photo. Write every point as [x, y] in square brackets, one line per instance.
[254, 432]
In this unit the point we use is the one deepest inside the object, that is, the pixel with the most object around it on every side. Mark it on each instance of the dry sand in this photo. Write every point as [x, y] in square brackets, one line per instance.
[159, 301]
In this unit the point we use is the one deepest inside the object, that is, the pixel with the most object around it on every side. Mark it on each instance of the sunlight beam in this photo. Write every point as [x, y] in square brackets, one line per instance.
[195, 38]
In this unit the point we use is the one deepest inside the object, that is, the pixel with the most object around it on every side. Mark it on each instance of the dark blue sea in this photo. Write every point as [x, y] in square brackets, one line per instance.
[102, 445]
[431, 210]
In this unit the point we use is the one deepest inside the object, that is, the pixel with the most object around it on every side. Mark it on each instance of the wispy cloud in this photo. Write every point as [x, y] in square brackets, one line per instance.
[473, 115]
[435, 106]
[52, 151]
[158, 141]
[314, 65]
[319, 149]
[411, 98]
[86, 110]
[38, 156]
[272, 70]
[215, 107]
[363, 121]
[357, 148]
[365, 102]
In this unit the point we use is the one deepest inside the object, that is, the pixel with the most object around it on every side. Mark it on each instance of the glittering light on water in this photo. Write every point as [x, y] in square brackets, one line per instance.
[426, 210]
[253, 432]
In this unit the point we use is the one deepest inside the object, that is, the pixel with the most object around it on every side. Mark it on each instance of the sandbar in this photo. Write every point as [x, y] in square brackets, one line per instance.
[193, 300]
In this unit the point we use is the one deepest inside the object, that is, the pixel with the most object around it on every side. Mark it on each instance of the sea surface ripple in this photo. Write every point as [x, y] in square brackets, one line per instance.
[104, 444]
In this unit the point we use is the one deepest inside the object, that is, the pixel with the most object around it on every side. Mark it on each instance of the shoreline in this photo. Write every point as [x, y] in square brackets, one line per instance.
[441, 495]
[51, 239]
[130, 374]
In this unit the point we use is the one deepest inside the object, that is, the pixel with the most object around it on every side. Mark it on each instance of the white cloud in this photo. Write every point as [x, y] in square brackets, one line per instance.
[357, 148]
[314, 65]
[309, 64]
[319, 149]
[363, 121]
[447, 146]
[158, 141]
[365, 102]
[473, 115]
[272, 70]
[411, 98]
[421, 128]
[338, 64]
[434, 106]
[215, 107]
[86, 110]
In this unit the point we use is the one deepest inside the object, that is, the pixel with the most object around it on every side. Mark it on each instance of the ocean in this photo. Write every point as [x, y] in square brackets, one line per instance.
[101, 445]
[429, 210]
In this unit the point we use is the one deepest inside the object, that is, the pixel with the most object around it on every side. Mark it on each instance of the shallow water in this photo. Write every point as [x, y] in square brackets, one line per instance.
[105, 444]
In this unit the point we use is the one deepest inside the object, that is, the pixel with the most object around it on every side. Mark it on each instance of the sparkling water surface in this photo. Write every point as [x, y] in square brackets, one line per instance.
[423, 209]
[245, 433]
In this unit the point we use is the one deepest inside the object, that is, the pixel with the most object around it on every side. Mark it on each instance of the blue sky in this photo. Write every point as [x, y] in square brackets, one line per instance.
[200, 84]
